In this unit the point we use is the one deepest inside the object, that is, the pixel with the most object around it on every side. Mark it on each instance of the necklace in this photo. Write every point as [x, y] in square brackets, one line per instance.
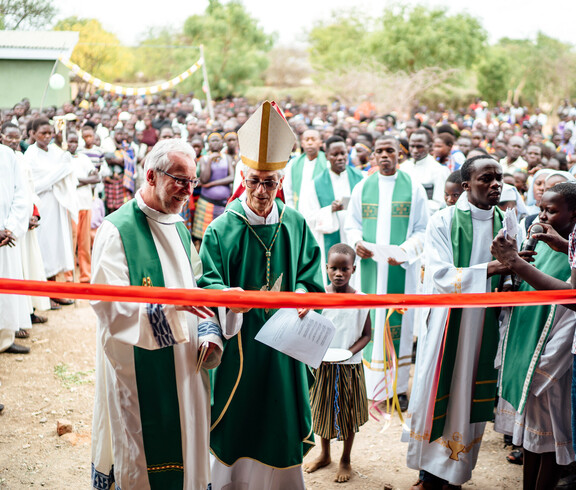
[267, 249]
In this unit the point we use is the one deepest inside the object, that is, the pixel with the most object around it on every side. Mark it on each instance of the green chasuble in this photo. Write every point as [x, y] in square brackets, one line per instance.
[484, 391]
[325, 193]
[399, 219]
[155, 370]
[528, 331]
[297, 168]
[261, 405]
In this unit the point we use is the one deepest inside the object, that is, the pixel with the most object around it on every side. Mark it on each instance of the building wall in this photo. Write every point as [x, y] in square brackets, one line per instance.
[29, 78]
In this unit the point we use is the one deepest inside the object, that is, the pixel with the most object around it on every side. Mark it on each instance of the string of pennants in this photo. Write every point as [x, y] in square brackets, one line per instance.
[118, 89]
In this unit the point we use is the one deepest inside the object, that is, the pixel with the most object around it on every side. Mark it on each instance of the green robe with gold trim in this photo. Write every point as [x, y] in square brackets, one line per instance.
[261, 404]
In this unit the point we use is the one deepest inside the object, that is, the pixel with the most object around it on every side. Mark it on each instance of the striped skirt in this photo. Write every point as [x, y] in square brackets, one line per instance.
[205, 213]
[338, 418]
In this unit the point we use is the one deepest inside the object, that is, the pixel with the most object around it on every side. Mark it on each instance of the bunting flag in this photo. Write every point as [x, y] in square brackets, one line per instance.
[117, 89]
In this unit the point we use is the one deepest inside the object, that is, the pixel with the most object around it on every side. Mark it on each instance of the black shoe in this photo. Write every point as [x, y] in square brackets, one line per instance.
[17, 349]
[63, 301]
[22, 334]
[1, 407]
[34, 318]
[403, 401]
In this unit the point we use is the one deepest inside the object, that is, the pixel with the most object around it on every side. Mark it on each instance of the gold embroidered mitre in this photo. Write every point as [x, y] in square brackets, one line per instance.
[266, 139]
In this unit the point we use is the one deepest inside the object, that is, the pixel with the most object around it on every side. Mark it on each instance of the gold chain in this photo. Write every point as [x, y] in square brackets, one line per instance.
[267, 249]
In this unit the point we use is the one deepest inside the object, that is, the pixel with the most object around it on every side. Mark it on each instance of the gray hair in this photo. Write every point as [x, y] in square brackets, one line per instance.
[245, 169]
[158, 159]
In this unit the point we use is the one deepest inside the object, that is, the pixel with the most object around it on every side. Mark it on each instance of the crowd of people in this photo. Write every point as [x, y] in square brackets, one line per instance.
[303, 198]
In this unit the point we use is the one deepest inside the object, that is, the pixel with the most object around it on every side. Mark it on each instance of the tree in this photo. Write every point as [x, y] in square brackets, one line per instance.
[288, 67]
[538, 72]
[25, 14]
[494, 75]
[235, 46]
[98, 51]
[338, 43]
[410, 39]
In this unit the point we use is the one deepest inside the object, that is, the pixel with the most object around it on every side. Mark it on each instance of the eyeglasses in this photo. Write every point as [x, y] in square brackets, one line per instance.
[269, 185]
[181, 181]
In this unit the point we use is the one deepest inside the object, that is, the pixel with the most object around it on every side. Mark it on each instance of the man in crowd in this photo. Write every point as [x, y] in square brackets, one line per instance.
[303, 170]
[13, 225]
[454, 384]
[425, 170]
[151, 411]
[260, 244]
[513, 159]
[388, 208]
[55, 185]
[329, 201]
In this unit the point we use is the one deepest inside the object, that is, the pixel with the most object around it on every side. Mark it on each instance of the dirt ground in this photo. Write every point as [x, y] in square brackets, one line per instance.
[56, 381]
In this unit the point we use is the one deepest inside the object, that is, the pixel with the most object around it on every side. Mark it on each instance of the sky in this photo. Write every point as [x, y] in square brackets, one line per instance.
[129, 19]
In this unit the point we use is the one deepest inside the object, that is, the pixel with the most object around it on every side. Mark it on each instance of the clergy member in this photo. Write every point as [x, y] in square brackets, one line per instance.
[454, 383]
[261, 418]
[13, 225]
[152, 406]
[55, 184]
[424, 168]
[330, 198]
[302, 171]
[388, 208]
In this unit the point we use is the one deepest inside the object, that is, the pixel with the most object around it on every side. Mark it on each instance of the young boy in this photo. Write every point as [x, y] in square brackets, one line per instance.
[353, 332]
[536, 358]
[453, 188]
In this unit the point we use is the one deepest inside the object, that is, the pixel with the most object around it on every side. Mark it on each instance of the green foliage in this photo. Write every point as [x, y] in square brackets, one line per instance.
[494, 75]
[411, 39]
[401, 39]
[98, 51]
[338, 43]
[235, 46]
[535, 72]
[69, 379]
[25, 14]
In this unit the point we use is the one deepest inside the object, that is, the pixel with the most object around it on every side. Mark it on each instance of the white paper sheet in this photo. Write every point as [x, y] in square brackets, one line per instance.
[305, 340]
[383, 252]
[510, 224]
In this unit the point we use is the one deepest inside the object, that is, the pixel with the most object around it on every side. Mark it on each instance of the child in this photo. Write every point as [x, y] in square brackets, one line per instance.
[353, 332]
[535, 367]
[453, 188]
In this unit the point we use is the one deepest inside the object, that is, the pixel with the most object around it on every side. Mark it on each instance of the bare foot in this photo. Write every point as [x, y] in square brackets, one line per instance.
[319, 462]
[344, 472]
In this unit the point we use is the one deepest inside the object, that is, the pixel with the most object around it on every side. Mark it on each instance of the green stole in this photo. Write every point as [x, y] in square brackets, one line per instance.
[253, 380]
[155, 369]
[484, 392]
[399, 219]
[528, 331]
[325, 193]
[298, 167]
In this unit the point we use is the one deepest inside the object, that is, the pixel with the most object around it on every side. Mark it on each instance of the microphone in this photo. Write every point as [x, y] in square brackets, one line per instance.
[529, 245]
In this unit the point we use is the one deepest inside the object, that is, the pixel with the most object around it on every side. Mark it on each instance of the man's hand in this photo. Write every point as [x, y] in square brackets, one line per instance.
[337, 206]
[238, 309]
[362, 251]
[554, 240]
[392, 261]
[6, 238]
[211, 347]
[302, 312]
[504, 249]
[200, 311]
[496, 268]
[33, 223]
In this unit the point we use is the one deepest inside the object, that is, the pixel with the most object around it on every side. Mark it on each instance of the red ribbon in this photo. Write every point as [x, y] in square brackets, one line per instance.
[273, 300]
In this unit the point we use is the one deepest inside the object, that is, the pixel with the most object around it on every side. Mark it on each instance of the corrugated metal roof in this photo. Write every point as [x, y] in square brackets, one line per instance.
[54, 40]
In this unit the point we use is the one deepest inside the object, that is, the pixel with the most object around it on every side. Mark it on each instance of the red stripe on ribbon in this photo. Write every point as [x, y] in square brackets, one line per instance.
[273, 300]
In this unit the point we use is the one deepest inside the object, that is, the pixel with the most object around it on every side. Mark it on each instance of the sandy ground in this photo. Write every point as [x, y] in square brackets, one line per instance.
[56, 381]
